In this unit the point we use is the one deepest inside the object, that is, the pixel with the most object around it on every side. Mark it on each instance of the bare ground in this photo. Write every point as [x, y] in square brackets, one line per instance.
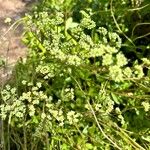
[11, 48]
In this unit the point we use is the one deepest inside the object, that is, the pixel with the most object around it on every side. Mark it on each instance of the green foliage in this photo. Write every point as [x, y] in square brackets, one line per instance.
[2, 62]
[76, 89]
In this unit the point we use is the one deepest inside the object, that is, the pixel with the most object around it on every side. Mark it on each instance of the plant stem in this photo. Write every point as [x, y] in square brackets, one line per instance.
[24, 136]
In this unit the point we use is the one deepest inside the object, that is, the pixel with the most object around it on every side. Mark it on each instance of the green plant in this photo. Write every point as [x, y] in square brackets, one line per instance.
[76, 89]
[2, 62]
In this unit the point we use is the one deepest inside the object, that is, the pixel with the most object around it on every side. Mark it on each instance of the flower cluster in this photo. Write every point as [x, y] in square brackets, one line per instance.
[34, 106]
[115, 72]
[12, 105]
[86, 22]
[68, 94]
[47, 70]
[146, 61]
[73, 117]
[136, 3]
[110, 38]
[26, 103]
[138, 71]
[58, 115]
[146, 106]
[76, 47]
[121, 60]
[107, 60]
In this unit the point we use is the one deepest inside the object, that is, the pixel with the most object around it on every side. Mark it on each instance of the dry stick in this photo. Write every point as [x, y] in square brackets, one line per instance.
[11, 27]
[139, 8]
[2, 128]
[125, 137]
[18, 146]
[133, 9]
[117, 25]
[24, 136]
[2, 37]
[8, 137]
[6, 63]
[136, 145]
[142, 36]
[139, 24]
[17, 138]
[2, 136]
[99, 126]
[109, 139]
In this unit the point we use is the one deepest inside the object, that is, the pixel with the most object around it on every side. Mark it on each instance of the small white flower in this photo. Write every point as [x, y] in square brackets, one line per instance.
[24, 82]
[7, 20]
[107, 59]
[13, 91]
[8, 87]
[127, 72]
[146, 106]
[43, 115]
[146, 61]
[39, 84]
[138, 71]
[34, 88]
[121, 59]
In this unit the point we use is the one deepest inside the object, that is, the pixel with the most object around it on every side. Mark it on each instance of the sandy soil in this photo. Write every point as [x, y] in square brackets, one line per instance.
[11, 48]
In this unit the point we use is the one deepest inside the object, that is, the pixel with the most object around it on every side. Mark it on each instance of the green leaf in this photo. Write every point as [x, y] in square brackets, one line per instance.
[70, 24]
[1, 62]
[92, 129]
[115, 99]
[35, 120]
[85, 130]
[64, 147]
[89, 146]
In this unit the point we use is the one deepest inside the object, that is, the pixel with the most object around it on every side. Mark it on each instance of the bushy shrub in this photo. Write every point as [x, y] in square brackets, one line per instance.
[76, 89]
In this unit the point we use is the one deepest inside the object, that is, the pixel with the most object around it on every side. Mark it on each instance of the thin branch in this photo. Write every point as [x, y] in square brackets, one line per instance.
[11, 27]
[142, 36]
[117, 25]
[100, 128]
[139, 8]
[139, 24]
